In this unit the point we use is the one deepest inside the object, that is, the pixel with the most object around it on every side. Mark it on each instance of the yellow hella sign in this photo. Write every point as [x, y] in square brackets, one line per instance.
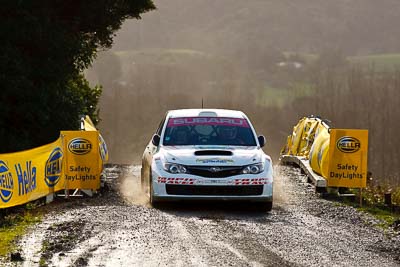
[82, 162]
[348, 154]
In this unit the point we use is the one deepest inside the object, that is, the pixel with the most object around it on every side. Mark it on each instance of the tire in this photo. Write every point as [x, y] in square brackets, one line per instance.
[154, 203]
[264, 206]
[142, 180]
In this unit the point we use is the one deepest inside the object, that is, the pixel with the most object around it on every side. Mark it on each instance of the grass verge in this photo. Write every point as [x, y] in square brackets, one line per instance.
[383, 214]
[13, 226]
[374, 204]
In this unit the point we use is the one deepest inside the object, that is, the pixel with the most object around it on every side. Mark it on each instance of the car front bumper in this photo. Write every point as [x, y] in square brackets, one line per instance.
[249, 187]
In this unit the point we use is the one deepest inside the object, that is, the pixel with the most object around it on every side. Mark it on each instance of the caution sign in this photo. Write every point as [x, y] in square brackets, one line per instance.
[348, 154]
[82, 161]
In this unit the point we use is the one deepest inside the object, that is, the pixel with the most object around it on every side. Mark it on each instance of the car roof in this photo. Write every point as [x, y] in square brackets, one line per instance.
[206, 113]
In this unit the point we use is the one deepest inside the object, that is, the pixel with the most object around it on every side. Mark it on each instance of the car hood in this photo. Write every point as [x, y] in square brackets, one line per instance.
[212, 155]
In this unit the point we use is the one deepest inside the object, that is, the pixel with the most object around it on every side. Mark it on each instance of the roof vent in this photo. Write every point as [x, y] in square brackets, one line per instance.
[207, 114]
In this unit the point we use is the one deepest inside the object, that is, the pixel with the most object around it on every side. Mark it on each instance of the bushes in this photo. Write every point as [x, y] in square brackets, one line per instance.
[45, 46]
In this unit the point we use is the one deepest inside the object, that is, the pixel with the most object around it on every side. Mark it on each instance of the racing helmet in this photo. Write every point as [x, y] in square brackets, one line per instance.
[181, 135]
[227, 132]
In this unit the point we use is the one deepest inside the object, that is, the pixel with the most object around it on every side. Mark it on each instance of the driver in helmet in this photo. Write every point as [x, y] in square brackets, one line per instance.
[228, 135]
[181, 135]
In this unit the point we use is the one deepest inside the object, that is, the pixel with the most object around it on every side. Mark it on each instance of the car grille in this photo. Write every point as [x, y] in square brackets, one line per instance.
[198, 190]
[214, 171]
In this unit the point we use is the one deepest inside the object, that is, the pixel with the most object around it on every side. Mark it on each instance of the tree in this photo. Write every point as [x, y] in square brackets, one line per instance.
[45, 46]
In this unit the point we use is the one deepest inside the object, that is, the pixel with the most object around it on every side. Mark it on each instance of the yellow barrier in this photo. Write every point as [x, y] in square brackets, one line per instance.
[302, 138]
[307, 140]
[88, 125]
[74, 161]
[31, 174]
[319, 151]
[338, 155]
[297, 135]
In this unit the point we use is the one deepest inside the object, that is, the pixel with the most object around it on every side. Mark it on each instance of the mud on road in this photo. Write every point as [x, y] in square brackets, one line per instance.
[120, 228]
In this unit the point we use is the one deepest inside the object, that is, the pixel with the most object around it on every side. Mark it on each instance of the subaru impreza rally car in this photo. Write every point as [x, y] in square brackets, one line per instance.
[209, 154]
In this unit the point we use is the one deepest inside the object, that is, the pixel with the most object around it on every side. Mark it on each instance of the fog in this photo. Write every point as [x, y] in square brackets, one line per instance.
[276, 60]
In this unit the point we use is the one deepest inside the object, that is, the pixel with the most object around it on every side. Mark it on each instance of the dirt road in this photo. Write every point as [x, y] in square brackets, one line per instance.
[119, 228]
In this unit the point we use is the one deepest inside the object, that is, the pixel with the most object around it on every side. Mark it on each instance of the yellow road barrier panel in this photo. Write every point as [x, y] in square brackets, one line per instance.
[297, 136]
[337, 155]
[74, 161]
[29, 175]
[318, 153]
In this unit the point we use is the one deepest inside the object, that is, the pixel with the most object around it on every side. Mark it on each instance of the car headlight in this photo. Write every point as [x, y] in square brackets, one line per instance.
[174, 168]
[254, 168]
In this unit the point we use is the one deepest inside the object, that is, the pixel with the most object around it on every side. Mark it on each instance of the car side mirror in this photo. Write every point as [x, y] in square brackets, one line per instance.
[262, 140]
[156, 140]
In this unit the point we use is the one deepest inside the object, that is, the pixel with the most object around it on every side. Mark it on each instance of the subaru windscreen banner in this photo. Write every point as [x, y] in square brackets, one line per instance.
[74, 161]
[348, 158]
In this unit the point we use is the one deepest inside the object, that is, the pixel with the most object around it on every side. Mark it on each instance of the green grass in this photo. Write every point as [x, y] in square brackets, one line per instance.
[12, 227]
[306, 57]
[373, 204]
[386, 217]
[159, 51]
[396, 196]
[279, 97]
[168, 57]
[379, 61]
[161, 55]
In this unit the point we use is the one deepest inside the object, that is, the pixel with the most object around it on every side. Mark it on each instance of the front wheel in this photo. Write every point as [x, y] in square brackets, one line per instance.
[142, 182]
[144, 179]
[153, 202]
[264, 206]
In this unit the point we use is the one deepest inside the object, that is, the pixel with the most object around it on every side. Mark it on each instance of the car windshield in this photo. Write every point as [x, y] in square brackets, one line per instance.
[208, 131]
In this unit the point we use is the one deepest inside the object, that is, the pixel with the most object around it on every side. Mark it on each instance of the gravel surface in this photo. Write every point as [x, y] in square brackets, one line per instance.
[119, 228]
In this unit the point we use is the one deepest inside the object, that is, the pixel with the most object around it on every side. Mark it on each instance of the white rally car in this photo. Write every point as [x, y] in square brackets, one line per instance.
[210, 154]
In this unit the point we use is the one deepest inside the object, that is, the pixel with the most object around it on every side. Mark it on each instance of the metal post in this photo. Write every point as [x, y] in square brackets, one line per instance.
[361, 197]
[66, 192]
[388, 199]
